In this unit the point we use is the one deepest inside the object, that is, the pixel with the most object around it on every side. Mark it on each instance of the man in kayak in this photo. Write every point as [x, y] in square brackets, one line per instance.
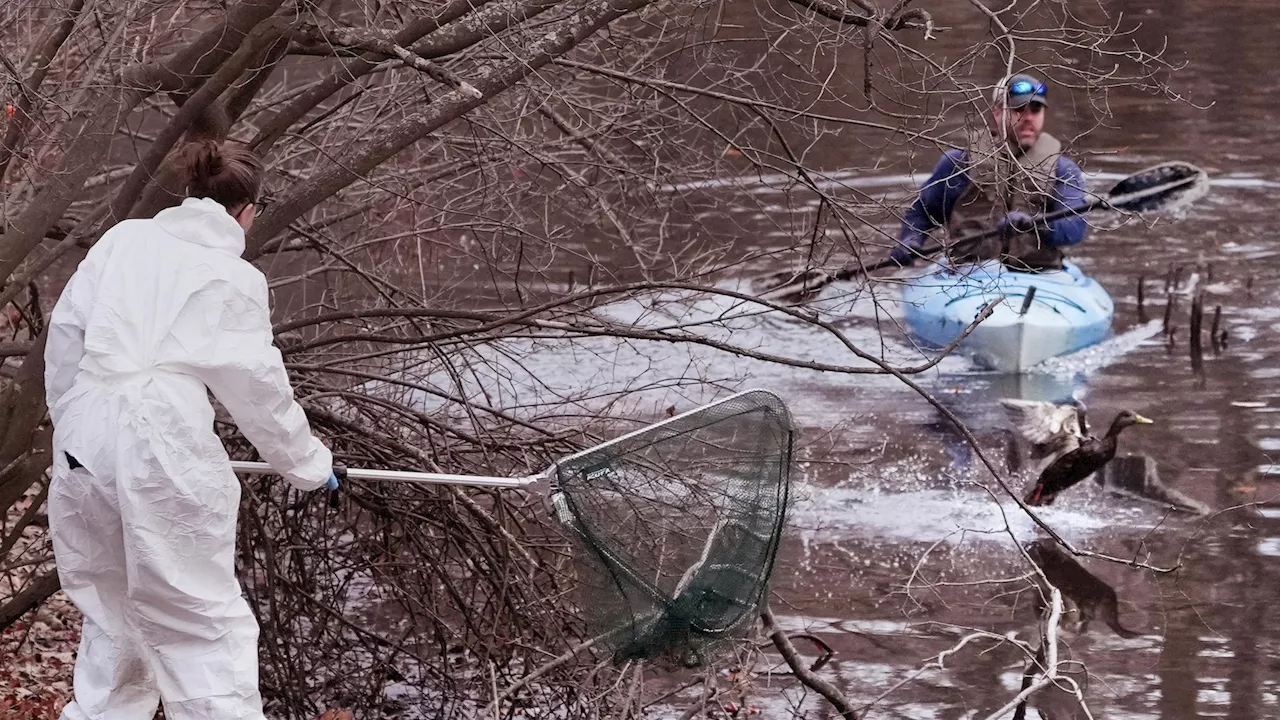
[1009, 172]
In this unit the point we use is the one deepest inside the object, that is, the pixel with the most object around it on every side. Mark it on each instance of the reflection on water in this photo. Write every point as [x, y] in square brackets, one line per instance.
[900, 539]
[900, 492]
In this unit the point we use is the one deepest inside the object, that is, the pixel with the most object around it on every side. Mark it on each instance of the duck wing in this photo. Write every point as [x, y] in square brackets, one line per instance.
[1052, 430]
[1072, 467]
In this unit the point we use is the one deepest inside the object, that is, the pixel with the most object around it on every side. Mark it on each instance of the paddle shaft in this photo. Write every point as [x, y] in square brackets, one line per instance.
[848, 272]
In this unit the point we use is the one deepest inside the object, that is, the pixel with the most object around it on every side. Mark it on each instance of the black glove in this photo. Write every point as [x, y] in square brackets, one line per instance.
[904, 253]
[1015, 223]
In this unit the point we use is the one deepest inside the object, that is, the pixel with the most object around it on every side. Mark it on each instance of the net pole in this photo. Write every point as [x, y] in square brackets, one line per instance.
[419, 478]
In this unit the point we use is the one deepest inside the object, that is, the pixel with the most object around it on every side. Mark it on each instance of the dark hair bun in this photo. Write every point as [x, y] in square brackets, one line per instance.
[228, 173]
[203, 161]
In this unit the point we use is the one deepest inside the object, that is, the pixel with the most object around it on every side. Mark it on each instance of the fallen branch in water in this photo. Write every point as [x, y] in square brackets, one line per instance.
[805, 675]
[827, 651]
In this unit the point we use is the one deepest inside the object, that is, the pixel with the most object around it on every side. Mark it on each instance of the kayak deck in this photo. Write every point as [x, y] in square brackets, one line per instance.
[1068, 311]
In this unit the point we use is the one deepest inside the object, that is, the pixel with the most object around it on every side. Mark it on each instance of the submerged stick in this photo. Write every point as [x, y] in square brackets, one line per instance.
[1142, 311]
[1213, 330]
[1028, 676]
[1047, 672]
[1195, 343]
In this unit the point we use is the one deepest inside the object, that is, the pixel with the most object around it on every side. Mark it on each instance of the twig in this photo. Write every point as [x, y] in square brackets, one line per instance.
[493, 679]
[827, 651]
[1050, 672]
[937, 663]
[541, 670]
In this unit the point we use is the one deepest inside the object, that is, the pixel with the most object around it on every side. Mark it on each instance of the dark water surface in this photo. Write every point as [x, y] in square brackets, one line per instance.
[901, 543]
[890, 488]
[1210, 647]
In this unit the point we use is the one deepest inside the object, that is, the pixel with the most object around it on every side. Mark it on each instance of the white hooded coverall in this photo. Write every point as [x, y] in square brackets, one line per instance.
[144, 534]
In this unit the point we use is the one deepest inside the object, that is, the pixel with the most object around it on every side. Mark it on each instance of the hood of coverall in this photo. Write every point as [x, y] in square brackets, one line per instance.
[204, 222]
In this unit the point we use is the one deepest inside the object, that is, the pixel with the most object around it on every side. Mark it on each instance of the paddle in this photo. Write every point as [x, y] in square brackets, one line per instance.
[1160, 187]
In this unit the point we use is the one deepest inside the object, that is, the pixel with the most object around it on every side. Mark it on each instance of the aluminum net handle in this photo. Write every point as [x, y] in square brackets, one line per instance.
[420, 478]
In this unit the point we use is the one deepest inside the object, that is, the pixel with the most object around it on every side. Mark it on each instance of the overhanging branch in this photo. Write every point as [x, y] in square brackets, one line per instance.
[348, 38]
[356, 163]
[900, 18]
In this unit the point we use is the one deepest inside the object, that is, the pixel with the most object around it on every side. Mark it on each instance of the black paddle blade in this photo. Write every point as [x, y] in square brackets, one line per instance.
[1165, 187]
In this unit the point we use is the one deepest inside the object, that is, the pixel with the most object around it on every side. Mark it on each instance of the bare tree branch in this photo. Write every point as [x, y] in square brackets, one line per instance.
[340, 38]
[350, 166]
[37, 64]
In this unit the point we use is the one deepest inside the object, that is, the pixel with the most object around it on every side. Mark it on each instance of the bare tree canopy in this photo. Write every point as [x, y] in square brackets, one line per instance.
[454, 188]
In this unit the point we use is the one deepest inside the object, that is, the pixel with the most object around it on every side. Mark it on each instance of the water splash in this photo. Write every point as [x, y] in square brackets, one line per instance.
[908, 501]
[962, 515]
[1098, 356]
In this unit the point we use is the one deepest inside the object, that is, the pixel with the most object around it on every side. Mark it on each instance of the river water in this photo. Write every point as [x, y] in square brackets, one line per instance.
[900, 543]
[889, 488]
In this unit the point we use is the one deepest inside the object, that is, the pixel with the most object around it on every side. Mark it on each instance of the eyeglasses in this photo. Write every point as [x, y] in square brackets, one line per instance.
[260, 206]
[1026, 87]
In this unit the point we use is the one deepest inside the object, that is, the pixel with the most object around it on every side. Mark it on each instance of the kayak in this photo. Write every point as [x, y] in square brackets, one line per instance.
[1043, 314]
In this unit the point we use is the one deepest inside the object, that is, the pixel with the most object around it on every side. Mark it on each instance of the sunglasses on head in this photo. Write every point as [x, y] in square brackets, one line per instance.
[1026, 87]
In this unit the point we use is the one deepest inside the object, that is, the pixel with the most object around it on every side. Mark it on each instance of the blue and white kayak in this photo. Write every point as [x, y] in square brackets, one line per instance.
[1067, 312]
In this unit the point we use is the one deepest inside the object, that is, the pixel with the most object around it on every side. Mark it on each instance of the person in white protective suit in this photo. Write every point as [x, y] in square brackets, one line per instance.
[143, 504]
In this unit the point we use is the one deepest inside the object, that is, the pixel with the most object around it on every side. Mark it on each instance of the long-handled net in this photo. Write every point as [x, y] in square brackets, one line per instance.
[677, 524]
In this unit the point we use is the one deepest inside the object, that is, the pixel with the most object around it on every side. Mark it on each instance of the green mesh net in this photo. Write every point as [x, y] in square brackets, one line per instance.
[678, 524]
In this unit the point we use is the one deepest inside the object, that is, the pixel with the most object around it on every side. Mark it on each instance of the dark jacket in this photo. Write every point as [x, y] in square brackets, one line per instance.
[950, 187]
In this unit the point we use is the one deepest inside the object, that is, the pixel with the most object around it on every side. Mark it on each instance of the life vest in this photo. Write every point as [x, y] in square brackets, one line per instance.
[1001, 182]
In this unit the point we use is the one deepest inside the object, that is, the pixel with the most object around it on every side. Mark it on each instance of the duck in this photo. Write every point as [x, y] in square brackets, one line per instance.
[1059, 439]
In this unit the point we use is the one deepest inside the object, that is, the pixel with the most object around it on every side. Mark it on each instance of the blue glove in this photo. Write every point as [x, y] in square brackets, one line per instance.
[1016, 222]
[338, 471]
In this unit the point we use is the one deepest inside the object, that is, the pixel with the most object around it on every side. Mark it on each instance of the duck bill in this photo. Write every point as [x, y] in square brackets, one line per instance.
[1142, 420]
